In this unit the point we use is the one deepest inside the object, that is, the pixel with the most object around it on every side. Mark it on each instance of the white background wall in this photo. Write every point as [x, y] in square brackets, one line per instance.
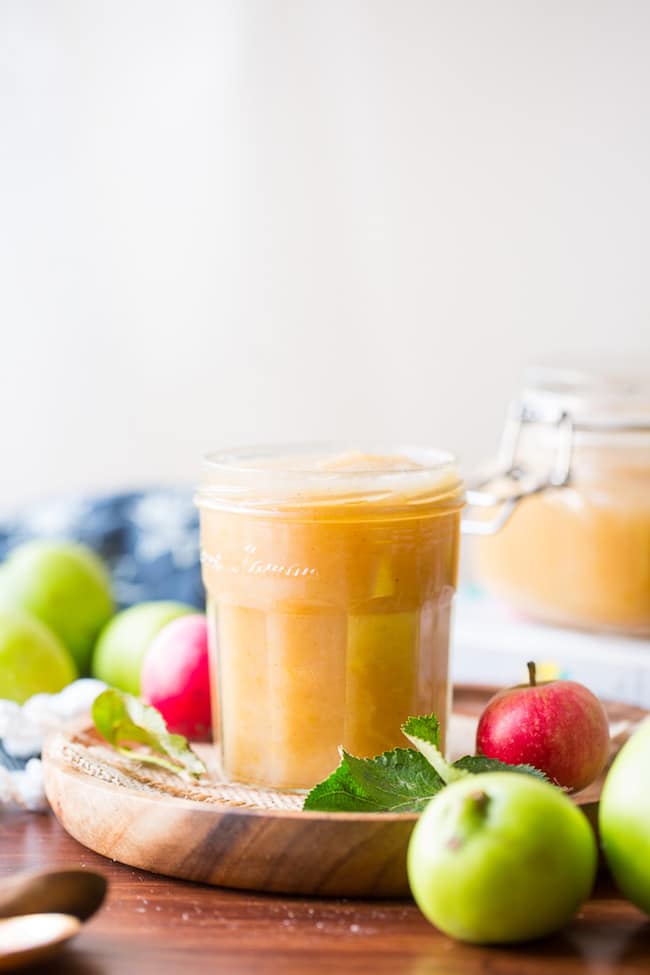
[227, 222]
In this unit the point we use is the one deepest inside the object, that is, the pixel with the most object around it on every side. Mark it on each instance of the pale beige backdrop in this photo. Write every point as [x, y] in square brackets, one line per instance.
[224, 222]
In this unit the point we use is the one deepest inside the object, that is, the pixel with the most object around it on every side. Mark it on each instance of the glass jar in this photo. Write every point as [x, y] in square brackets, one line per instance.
[573, 512]
[329, 575]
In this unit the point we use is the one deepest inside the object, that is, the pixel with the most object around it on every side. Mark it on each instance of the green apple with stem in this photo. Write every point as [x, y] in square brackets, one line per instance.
[32, 659]
[124, 641]
[501, 857]
[66, 586]
[624, 818]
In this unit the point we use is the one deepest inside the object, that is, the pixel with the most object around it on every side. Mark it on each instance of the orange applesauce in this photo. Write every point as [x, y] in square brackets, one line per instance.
[329, 576]
[577, 552]
[579, 556]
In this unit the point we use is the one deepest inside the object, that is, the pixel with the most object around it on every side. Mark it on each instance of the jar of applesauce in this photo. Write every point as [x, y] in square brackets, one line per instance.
[329, 575]
[568, 533]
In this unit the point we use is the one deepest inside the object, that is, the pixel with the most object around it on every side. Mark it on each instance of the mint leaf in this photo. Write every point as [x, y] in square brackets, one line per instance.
[402, 780]
[479, 763]
[425, 727]
[123, 720]
[397, 781]
[424, 733]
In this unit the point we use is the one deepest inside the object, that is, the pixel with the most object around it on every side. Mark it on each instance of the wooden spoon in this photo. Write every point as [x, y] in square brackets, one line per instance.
[74, 892]
[40, 911]
[33, 937]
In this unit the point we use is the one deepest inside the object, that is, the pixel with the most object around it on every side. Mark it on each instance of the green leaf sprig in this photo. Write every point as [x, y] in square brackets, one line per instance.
[124, 721]
[401, 780]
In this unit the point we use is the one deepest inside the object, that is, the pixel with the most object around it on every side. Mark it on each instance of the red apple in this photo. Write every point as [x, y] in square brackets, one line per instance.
[558, 726]
[175, 676]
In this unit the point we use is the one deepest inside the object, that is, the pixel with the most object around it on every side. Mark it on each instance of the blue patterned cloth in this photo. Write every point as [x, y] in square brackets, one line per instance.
[149, 539]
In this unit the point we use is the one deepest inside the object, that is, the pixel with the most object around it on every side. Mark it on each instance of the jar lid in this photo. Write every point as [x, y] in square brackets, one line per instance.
[598, 397]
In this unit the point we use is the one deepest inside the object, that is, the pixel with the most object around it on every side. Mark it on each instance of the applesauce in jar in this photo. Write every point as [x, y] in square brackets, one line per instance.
[578, 553]
[329, 576]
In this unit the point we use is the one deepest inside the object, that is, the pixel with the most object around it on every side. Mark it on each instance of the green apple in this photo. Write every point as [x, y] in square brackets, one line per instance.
[66, 586]
[624, 818]
[32, 658]
[125, 640]
[501, 857]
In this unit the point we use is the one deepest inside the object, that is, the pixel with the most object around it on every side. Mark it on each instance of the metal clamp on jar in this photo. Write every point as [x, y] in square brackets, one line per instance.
[564, 516]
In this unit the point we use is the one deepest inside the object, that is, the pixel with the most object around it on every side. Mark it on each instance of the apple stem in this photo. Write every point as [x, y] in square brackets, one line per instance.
[472, 813]
[532, 673]
[480, 801]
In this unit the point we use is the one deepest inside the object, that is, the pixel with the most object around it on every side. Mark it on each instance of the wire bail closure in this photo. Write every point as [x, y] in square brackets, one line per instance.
[517, 482]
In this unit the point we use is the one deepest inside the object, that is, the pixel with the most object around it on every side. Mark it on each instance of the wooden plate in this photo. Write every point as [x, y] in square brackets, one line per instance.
[239, 836]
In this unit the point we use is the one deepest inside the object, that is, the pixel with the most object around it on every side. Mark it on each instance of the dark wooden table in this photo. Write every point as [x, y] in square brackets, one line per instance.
[150, 924]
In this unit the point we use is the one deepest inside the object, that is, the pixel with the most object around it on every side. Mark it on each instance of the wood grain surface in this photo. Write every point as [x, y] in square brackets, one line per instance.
[151, 925]
[229, 836]
[155, 926]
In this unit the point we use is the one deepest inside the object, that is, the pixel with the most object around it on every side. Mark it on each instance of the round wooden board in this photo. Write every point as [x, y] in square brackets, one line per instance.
[237, 836]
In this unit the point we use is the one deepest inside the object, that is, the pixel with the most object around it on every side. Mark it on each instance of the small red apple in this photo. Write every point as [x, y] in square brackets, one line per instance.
[558, 726]
[175, 676]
